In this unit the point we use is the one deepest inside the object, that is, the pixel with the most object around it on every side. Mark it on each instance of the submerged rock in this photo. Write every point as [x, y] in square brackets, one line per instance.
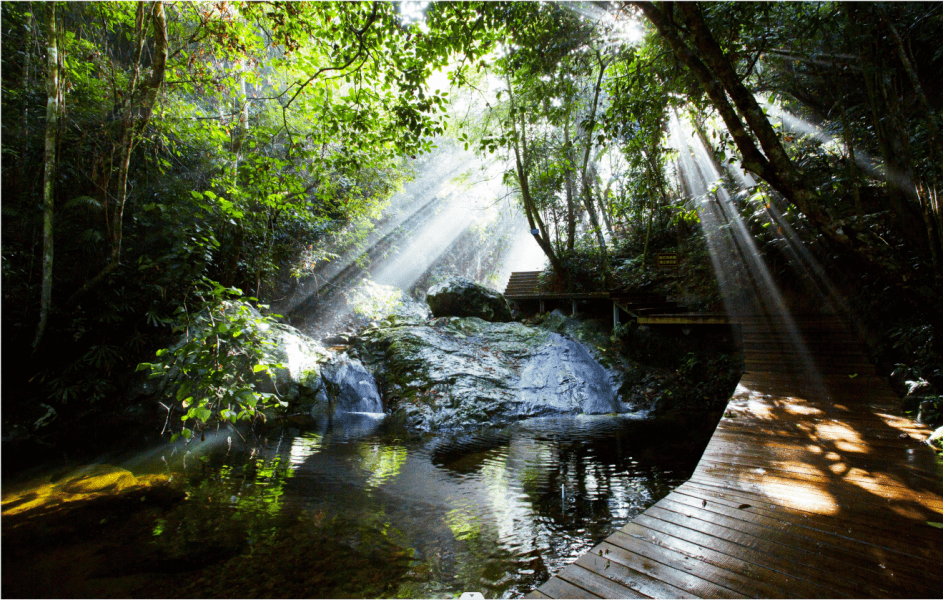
[452, 373]
[462, 297]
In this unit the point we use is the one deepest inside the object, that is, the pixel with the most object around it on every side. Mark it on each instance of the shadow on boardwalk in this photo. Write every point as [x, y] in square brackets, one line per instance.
[803, 491]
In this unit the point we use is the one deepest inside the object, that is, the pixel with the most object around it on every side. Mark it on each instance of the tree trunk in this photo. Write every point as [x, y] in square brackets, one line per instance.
[930, 211]
[925, 107]
[240, 132]
[601, 196]
[49, 171]
[587, 192]
[136, 108]
[854, 173]
[772, 164]
[530, 208]
[570, 200]
[22, 184]
[889, 127]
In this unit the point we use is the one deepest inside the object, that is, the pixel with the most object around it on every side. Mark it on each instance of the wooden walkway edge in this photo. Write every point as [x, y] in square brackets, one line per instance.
[813, 489]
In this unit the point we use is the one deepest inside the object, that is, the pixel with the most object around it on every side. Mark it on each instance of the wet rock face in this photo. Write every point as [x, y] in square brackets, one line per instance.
[351, 386]
[299, 383]
[454, 373]
[461, 297]
[315, 380]
[562, 377]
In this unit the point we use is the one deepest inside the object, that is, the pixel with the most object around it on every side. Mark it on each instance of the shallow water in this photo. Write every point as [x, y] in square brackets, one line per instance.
[366, 509]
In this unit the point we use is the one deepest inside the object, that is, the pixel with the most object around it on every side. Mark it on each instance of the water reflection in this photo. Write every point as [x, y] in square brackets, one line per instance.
[361, 508]
[495, 511]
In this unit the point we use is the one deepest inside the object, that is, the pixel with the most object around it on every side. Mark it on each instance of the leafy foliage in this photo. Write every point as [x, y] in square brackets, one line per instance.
[213, 371]
[278, 132]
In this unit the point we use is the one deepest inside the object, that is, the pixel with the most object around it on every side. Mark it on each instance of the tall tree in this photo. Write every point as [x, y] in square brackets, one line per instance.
[692, 43]
[49, 167]
[133, 113]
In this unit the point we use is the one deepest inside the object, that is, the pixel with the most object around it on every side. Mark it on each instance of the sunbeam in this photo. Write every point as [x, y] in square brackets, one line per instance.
[453, 196]
[749, 292]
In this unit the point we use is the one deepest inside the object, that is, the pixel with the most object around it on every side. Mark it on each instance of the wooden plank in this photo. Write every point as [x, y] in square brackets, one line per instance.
[914, 567]
[733, 572]
[881, 487]
[759, 551]
[904, 454]
[847, 469]
[864, 529]
[786, 434]
[850, 467]
[821, 565]
[682, 319]
[556, 587]
[811, 500]
[731, 556]
[631, 571]
[890, 571]
[659, 564]
[595, 583]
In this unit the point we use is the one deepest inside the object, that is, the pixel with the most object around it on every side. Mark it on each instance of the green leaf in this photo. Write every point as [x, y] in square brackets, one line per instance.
[183, 390]
[935, 524]
[259, 367]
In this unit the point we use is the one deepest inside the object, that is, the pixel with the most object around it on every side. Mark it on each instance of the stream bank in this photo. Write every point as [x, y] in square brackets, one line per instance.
[351, 503]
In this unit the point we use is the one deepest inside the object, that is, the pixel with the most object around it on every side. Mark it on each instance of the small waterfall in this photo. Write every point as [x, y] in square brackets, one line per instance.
[352, 387]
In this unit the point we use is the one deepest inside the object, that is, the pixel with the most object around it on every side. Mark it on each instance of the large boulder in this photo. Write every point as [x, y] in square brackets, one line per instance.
[311, 379]
[462, 297]
[299, 382]
[455, 373]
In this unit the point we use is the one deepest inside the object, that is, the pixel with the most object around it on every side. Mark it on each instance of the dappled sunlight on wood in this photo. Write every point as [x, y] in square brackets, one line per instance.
[800, 499]
[823, 488]
[842, 434]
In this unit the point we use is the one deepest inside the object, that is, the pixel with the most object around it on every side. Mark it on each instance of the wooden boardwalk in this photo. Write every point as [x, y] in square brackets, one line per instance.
[525, 286]
[812, 487]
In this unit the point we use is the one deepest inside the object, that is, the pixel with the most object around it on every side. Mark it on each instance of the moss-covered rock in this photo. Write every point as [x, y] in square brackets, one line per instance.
[81, 483]
[452, 372]
[462, 297]
[936, 439]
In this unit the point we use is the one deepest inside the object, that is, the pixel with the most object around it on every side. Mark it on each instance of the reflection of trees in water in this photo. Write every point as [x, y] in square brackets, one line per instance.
[596, 483]
[494, 511]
